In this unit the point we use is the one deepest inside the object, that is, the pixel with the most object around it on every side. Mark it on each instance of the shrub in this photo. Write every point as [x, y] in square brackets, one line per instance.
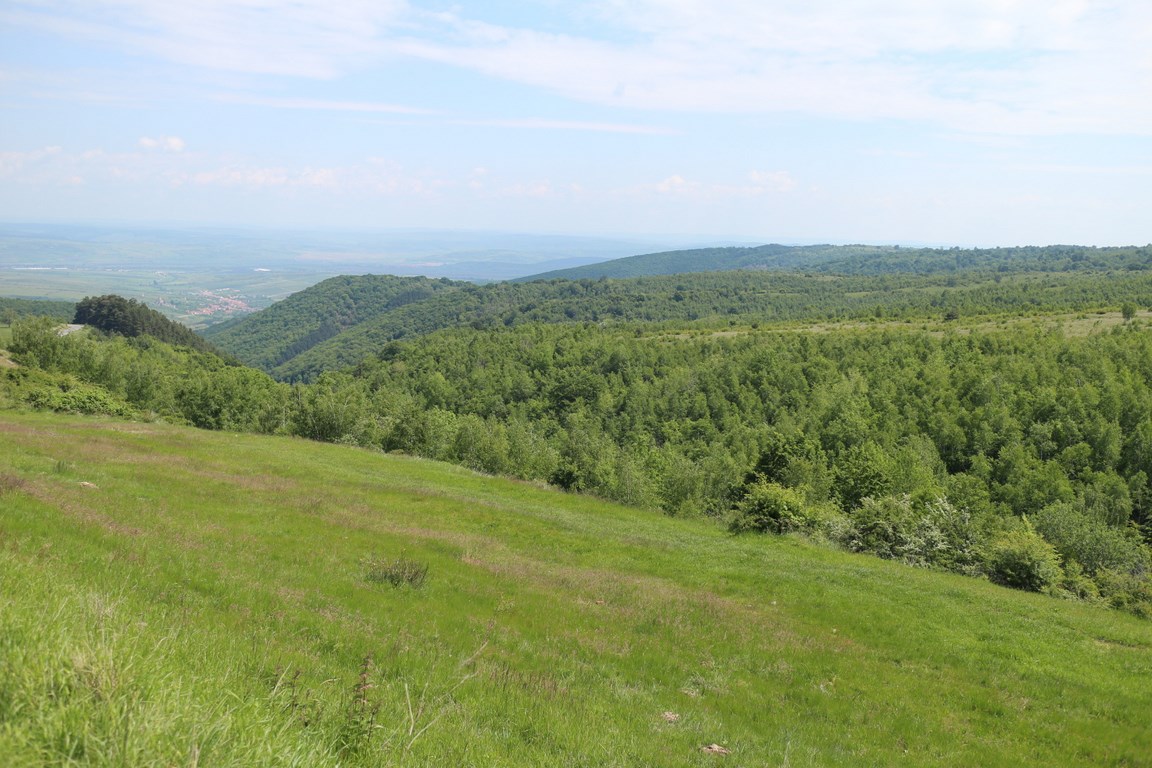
[1126, 591]
[769, 508]
[399, 572]
[1022, 559]
[1091, 542]
[929, 532]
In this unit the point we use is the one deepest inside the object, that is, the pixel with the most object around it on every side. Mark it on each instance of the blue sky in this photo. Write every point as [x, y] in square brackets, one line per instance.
[955, 122]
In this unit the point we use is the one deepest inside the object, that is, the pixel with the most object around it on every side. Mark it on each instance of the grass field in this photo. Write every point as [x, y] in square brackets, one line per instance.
[177, 597]
[5, 335]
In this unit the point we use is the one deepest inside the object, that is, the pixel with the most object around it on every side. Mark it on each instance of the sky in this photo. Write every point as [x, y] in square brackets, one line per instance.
[945, 122]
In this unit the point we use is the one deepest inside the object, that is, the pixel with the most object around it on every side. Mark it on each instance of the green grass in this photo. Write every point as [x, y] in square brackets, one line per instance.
[177, 597]
[5, 335]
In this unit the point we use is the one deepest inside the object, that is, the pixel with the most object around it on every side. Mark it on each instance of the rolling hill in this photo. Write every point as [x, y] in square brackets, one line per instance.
[341, 322]
[270, 338]
[176, 596]
[858, 260]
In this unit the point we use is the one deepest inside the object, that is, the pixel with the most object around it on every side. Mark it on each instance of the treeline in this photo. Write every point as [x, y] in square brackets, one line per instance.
[119, 316]
[14, 309]
[1022, 454]
[283, 342]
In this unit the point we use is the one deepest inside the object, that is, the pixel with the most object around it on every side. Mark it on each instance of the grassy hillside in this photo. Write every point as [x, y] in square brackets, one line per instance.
[177, 597]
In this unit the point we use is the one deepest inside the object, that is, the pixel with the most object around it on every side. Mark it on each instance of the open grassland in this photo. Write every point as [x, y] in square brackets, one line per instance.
[177, 597]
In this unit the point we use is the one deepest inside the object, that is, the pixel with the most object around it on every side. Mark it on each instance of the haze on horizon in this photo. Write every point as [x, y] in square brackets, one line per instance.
[966, 122]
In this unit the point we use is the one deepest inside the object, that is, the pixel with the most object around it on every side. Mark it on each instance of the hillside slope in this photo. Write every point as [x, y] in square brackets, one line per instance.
[290, 327]
[860, 260]
[293, 342]
[184, 597]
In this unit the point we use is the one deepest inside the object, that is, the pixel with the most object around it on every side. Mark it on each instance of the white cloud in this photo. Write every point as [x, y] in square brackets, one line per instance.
[676, 185]
[1026, 66]
[166, 143]
[309, 38]
[775, 181]
[568, 125]
[984, 66]
[17, 164]
[322, 104]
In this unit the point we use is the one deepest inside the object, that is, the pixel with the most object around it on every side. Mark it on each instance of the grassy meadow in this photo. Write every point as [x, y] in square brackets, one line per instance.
[175, 597]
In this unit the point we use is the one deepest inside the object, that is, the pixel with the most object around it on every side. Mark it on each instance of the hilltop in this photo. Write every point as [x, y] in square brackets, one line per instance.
[186, 597]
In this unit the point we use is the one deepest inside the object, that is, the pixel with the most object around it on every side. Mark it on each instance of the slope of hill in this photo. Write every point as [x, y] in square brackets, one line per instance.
[290, 327]
[860, 260]
[183, 597]
[288, 342]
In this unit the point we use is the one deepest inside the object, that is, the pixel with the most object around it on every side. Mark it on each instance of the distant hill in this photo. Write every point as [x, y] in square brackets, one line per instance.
[291, 327]
[860, 260]
[303, 336]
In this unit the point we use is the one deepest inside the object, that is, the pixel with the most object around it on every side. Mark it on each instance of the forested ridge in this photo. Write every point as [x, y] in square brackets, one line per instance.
[1011, 448]
[340, 322]
[270, 338]
[863, 260]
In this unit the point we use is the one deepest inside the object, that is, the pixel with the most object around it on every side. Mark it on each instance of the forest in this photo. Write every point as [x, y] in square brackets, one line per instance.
[954, 427]
[340, 322]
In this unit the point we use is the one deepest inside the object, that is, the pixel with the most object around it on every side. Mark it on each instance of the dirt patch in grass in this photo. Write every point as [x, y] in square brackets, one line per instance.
[21, 429]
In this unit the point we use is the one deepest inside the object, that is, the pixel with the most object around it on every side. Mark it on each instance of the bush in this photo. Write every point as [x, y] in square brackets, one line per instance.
[922, 532]
[1022, 559]
[769, 508]
[1085, 538]
[1126, 591]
